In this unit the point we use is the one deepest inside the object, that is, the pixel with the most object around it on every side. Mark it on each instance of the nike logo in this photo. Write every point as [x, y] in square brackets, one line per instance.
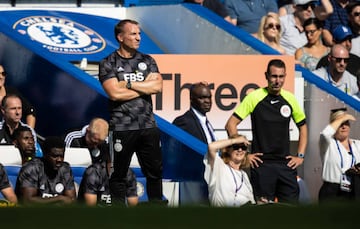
[274, 101]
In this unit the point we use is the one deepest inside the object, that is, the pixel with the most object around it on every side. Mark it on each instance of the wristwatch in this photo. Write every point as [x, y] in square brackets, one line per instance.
[128, 85]
[301, 155]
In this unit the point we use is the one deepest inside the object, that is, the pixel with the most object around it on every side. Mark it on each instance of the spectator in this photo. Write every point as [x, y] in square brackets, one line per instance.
[94, 138]
[25, 142]
[214, 5]
[247, 14]
[269, 31]
[343, 36]
[228, 183]
[11, 108]
[5, 187]
[130, 78]
[293, 35]
[338, 17]
[310, 54]
[286, 7]
[195, 122]
[338, 153]
[28, 109]
[49, 179]
[353, 10]
[273, 172]
[336, 73]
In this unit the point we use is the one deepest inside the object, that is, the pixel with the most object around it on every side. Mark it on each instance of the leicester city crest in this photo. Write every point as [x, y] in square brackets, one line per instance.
[60, 35]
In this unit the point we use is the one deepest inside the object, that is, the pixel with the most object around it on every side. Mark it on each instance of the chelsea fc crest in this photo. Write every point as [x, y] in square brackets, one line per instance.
[60, 35]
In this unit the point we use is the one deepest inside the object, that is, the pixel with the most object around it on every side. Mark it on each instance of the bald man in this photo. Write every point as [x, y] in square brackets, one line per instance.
[336, 72]
[94, 137]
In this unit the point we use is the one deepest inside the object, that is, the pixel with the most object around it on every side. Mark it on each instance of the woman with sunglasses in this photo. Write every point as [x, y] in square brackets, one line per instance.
[269, 31]
[228, 183]
[338, 153]
[28, 111]
[310, 54]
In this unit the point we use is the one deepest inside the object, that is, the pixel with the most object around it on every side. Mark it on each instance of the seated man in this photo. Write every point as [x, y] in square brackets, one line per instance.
[93, 137]
[29, 114]
[342, 35]
[5, 187]
[336, 73]
[94, 187]
[24, 141]
[11, 108]
[48, 179]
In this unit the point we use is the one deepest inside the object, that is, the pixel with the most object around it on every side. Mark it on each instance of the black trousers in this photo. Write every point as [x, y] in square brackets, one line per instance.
[274, 179]
[146, 144]
[331, 192]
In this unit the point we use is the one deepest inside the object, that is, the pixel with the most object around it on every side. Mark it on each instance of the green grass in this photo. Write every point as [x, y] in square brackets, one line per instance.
[270, 216]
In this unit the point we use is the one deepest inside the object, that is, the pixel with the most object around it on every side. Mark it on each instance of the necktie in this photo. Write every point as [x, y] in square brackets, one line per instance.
[210, 130]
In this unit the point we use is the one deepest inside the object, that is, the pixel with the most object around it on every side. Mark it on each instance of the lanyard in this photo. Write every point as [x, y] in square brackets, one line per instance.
[237, 188]
[341, 158]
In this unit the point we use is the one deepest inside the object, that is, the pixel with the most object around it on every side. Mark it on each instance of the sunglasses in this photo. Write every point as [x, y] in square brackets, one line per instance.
[311, 32]
[346, 123]
[273, 26]
[243, 147]
[3, 73]
[306, 6]
[356, 14]
[339, 59]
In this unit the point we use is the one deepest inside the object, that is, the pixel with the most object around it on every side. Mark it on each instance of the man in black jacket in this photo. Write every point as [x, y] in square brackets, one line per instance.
[195, 122]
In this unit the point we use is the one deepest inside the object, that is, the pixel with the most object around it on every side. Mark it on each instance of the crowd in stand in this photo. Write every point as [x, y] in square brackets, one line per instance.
[306, 29]
[323, 36]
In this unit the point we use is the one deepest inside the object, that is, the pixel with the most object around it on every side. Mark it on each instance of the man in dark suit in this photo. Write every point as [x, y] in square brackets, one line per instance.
[195, 122]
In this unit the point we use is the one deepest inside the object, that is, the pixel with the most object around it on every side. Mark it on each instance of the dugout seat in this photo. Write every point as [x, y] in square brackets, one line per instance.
[11, 160]
[9, 155]
[79, 159]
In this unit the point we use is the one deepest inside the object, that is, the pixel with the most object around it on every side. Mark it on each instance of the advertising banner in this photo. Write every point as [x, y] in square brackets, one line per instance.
[230, 78]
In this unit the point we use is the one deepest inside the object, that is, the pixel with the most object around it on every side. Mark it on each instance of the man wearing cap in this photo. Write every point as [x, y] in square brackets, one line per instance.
[353, 10]
[343, 36]
[293, 35]
[336, 73]
[338, 17]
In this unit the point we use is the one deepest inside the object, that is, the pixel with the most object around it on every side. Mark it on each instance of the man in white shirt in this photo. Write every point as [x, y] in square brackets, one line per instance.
[336, 73]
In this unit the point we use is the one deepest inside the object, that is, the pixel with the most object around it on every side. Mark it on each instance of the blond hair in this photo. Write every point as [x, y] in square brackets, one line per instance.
[226, 154]
[260, 33]
[335, 114]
